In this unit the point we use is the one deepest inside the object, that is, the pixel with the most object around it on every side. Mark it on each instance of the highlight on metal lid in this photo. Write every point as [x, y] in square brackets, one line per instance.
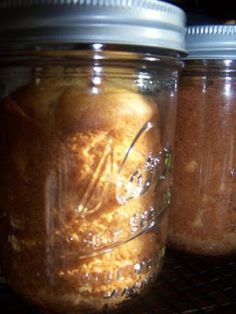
[149, 23]
[211, 42]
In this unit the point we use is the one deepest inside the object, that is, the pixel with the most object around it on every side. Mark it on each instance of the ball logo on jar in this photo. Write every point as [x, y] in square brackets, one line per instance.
[134, 184]
[135, 174]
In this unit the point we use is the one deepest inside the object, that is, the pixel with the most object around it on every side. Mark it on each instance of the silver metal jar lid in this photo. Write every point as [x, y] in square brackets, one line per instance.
[211, 42]
[130, 22]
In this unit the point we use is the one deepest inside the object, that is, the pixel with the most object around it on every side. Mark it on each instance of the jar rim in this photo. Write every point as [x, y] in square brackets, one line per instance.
[148, 23]
[211, 42]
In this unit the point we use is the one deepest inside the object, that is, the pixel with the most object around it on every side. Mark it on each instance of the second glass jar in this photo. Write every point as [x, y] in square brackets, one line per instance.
[203, 212]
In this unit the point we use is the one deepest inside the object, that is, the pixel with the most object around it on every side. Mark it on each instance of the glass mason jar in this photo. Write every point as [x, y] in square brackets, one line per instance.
[203, 212]
[87, 123]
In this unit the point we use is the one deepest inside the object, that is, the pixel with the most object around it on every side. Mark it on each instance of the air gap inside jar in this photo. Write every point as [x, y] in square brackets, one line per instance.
[203, 212]
[87, 123]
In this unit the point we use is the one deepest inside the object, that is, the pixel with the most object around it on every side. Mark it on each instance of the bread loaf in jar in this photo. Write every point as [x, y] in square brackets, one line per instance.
[85, 198]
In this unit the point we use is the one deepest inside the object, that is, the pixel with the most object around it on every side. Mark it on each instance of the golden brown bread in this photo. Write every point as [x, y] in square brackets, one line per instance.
[202, 214]
[80, 193]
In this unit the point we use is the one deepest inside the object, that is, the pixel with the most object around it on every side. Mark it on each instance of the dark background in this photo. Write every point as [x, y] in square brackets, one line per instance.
[206, 11]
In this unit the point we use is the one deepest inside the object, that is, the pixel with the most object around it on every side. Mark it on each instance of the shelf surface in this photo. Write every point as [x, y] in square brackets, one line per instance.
[187, 285]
